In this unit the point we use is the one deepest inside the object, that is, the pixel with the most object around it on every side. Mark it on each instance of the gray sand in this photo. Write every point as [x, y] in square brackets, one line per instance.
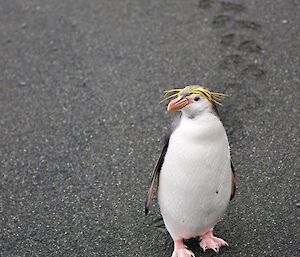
[81, 123]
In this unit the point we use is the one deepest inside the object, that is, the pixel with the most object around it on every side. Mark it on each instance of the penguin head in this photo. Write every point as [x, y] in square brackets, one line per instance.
[194, 100]
[190, 104]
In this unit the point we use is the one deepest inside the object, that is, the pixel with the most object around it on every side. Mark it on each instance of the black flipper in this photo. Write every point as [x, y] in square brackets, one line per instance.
[233, 177]
[155, 175]
[233, 182]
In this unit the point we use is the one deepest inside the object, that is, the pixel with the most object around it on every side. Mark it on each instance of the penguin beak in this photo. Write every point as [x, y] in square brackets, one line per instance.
[177, 104]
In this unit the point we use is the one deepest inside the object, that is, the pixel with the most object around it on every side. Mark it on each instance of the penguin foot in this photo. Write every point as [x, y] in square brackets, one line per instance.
[183, 252]
[208, 241]
[180, 250]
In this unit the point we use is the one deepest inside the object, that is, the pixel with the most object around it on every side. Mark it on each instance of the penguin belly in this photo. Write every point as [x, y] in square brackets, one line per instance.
[195, 182]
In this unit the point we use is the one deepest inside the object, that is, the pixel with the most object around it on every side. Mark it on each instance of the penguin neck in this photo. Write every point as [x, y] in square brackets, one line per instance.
[198, 117]
[206, 124]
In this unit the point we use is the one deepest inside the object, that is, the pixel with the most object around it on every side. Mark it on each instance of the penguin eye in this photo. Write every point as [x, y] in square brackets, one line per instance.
[197, 98]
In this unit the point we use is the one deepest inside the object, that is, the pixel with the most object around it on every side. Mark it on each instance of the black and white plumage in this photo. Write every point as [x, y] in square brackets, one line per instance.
[194, 172]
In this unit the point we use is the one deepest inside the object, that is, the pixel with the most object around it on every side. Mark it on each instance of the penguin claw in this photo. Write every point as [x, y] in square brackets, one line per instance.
[183, 252]
[208, 241]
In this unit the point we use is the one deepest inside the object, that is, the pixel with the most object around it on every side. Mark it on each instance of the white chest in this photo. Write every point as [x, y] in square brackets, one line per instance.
[194, 185]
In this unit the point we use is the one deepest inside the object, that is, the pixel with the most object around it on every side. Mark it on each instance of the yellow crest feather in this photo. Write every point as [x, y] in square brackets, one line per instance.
[213, 97]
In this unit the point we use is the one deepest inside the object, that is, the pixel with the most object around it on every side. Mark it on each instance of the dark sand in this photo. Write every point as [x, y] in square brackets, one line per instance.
[81, 123]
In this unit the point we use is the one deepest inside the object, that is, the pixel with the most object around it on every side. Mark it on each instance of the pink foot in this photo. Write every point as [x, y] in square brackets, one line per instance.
[180, 250]
[208, 241]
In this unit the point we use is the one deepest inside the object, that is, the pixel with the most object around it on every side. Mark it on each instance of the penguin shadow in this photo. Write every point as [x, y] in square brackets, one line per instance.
[193, 245]
[162, 235]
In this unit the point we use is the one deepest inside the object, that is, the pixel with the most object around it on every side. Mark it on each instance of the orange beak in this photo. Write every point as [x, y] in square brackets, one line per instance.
[177, 104]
